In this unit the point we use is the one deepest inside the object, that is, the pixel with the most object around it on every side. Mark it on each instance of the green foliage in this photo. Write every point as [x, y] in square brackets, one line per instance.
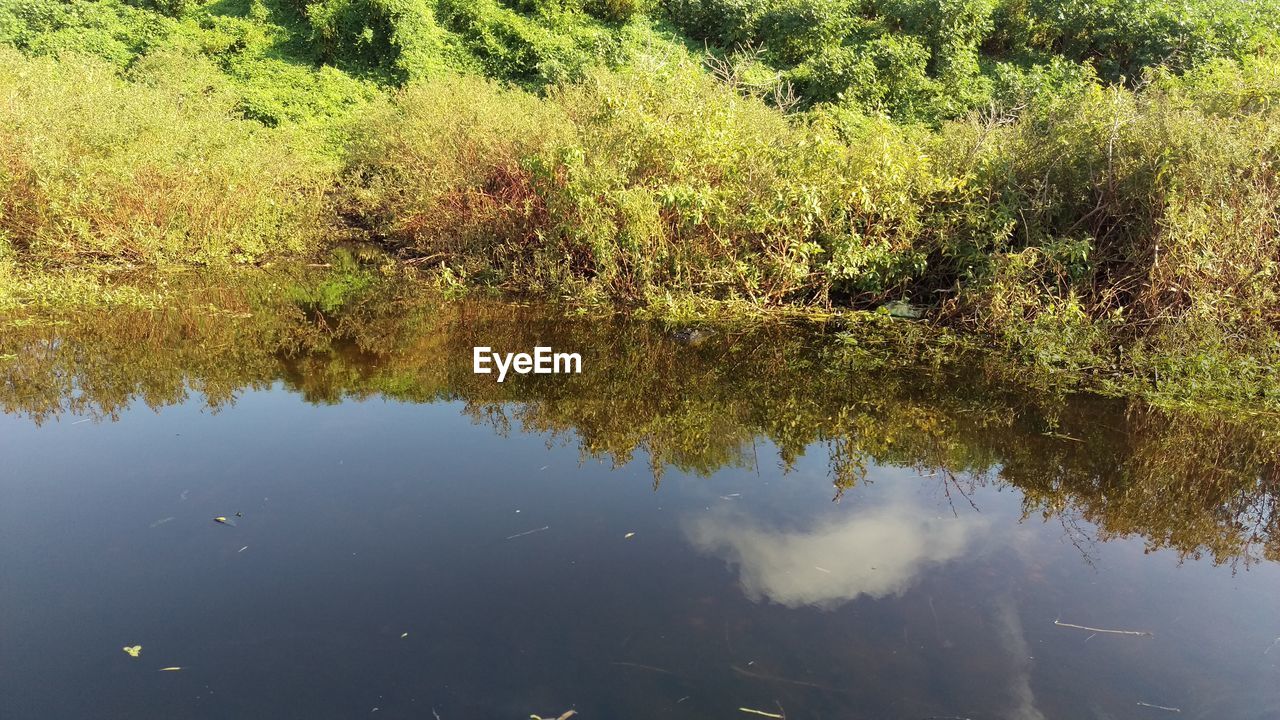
[935, 59]
[109, 29]
[637, 182]
[399, 39]
[615, 11]
[93, 167]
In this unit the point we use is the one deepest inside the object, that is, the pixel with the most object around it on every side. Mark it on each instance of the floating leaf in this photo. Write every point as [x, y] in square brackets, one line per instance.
[175, 668]
[628, 536]
[133, 650]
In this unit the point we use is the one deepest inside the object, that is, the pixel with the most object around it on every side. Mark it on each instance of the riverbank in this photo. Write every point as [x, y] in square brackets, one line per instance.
[1122, 233]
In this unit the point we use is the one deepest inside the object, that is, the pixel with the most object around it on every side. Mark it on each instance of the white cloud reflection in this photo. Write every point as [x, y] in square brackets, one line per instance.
[876, 552]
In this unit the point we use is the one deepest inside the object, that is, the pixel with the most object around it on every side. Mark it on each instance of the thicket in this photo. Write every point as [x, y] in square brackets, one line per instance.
[96, 168]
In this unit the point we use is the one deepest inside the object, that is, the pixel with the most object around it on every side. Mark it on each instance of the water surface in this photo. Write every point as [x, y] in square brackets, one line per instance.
[758, 519]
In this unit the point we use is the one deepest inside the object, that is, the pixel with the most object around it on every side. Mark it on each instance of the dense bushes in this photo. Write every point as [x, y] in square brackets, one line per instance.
[640, 182]
[934, 59]
[93, 167]
[1150, 220]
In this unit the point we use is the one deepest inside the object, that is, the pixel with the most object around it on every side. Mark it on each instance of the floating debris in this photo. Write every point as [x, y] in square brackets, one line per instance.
[162, 521]
[639, 666]
[1159, 707]
[223, 520]
[174, 668]
[565, 716]
[628, 536]
[785, 681]
[762, 712]
[404, 635]
[132, 650]
[1136, 633]
[528, 532]
[821, 569]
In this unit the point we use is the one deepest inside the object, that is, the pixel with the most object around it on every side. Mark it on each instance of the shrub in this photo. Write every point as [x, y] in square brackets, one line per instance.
[400, 39]
[1154, 213]
[615, 11]
[94, 167]
[640, 182]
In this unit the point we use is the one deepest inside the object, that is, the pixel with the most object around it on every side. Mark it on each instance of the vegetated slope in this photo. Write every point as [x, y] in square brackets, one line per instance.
[1092, 184]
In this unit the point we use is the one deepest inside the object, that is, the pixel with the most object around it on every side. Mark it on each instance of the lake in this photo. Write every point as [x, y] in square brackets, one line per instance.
[749, 521]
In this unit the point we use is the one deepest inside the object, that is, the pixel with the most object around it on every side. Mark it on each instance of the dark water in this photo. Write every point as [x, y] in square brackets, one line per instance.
[420, 542]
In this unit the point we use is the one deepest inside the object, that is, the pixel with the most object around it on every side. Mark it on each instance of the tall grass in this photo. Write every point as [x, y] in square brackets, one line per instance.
[1148, 220]
[95, 167]
[647, 180]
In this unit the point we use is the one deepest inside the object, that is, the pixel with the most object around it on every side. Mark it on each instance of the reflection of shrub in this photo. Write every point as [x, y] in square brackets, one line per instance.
[92, 167]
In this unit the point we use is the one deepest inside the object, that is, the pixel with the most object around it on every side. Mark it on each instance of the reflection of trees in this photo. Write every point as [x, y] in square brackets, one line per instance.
[1199, 483]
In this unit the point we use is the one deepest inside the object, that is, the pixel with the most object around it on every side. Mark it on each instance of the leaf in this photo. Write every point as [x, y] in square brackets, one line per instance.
[133, 650]
[628, 536]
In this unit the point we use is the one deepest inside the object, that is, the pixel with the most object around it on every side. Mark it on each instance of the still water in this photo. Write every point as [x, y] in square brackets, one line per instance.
[685, 530]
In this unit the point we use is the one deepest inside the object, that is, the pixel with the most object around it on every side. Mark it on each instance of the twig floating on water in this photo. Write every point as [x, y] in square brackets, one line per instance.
[642, 667]
[785, 681]
[1136, 633]
[762, 712]
[528, 532]
[1159, 707]
[568, 714]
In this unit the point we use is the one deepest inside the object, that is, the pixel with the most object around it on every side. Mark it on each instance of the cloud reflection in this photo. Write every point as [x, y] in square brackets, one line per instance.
[877, 552]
